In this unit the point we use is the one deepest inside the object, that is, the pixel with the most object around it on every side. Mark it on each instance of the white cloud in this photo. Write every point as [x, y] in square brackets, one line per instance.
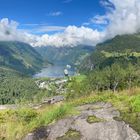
[86, 24]
[99, 19]
[42, 29]
[9, 32]
[106, 4]
[123, 19]
[57, 13]
[72, 36]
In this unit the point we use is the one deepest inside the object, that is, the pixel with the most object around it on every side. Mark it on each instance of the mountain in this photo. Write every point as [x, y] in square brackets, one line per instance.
[17, 62]
[121, 49]
[65, 55]
[16, 87]
[20, 57]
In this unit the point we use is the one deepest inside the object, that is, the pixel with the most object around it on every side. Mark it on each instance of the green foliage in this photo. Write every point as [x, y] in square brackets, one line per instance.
[114, 78]
[111, 73]
[132, 118]
[54, 114]
[94, 119]
[15, 124]
[20, 57]
[129, 106]
[76, 87]
[121, 49]
[129, 43]
[71, 135]
[17, 89]
[26, 114]
[135, 103]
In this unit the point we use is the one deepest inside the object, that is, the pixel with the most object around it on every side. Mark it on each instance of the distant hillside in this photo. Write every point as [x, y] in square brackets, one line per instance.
[65, 55]
[121, 49]
[20, 57]
[17, 61]
[16, 87]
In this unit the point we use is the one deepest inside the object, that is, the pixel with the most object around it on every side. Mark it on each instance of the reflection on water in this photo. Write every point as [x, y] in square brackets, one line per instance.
[53, 72]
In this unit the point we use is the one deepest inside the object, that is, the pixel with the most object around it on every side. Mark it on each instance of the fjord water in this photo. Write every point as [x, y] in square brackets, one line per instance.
[53, 71]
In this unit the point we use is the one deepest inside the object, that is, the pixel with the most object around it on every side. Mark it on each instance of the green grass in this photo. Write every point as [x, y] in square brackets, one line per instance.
[80, 78]
[94, 119]
[55, 113]
[115, 54]
[15, 124]
[135, 103]
[71, 135]
[128, 105]
[76, 80]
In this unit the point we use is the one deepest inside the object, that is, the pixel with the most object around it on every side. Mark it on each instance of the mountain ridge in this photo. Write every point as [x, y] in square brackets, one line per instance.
[122, 49]
[64, 55]
[20, 56]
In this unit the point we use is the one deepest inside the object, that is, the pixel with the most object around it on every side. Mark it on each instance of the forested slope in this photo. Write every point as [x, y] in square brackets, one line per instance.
[20, 57]
[121, 49]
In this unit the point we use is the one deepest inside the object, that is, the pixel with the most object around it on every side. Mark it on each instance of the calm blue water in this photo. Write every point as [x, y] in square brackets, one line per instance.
[53, 72]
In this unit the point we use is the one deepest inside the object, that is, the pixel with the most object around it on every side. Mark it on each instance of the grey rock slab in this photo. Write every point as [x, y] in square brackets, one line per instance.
[39, 134]
[94, 106]
[60, 128]
[108, 129]
[107, 114]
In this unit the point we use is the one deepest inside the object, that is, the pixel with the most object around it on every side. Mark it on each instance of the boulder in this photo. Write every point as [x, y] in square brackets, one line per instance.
[54, 99]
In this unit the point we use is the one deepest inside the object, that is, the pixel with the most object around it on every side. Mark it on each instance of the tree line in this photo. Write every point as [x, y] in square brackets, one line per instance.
[114, 78]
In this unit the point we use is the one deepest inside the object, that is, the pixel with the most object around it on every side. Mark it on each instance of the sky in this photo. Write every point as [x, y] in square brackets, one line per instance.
[50, 12]
[67, 23]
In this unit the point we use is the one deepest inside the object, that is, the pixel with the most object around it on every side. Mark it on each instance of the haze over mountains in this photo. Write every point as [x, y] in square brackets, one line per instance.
[26, 59]
[65, 55]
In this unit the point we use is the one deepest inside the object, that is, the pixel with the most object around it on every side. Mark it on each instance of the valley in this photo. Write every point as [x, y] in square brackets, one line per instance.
[65, 55]
[20, 57]
[54, 71]
[42, 101]
[69, 69]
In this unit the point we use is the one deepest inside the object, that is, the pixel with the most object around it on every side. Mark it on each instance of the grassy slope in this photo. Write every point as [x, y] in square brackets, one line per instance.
[15, 124]
[17, 88]
[17, 60]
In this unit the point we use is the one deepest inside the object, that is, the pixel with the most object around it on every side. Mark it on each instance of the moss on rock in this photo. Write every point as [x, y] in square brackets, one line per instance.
[71, 135]
[94, 119]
